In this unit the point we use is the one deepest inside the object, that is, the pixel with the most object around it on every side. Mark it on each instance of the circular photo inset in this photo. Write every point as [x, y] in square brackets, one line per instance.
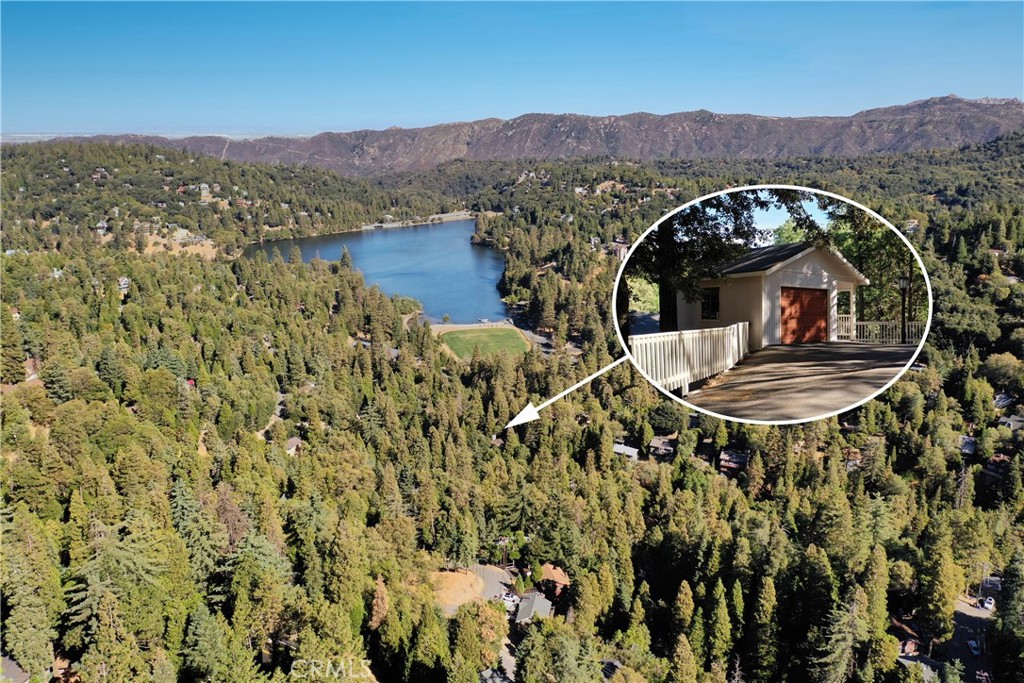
[772, 304]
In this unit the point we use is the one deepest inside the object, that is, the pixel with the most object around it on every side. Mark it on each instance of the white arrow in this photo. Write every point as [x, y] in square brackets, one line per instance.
[531, 412]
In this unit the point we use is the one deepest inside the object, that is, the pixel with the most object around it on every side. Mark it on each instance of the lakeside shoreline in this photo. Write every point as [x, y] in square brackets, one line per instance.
[433, 219]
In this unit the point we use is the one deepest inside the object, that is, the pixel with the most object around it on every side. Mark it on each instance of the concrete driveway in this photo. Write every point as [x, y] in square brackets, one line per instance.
[801, 381]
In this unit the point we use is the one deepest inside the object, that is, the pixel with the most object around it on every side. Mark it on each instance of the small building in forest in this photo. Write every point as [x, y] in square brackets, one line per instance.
[732, 462]
[633, 454]
[663, 447]
[1012, 422]
[789, 294]
[556, 576]
[533, 606]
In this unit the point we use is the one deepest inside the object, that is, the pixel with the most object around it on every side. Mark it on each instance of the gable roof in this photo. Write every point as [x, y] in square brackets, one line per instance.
[763, 258]
[555, 574]
[533, 604]
[771, 258]
[1014, 422]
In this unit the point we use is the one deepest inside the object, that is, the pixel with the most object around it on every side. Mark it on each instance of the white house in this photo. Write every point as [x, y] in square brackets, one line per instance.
[787, 292]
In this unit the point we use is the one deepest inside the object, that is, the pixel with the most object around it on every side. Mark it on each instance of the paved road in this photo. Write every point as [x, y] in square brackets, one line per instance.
[969, 623]
[802, 381]
[496, 582]
[644, 323]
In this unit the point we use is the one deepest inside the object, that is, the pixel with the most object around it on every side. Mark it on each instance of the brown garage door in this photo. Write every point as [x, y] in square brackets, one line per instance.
[804, 315]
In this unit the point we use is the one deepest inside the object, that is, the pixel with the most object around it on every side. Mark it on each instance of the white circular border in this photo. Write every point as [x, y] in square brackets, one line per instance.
[801, 188]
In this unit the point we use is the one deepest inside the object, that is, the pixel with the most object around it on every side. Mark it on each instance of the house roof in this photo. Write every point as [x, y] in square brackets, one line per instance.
[770, 258]
[533, 604]
[623, 449]
[1014, 422]
[549, 572]
[763, 258]
[662, 444]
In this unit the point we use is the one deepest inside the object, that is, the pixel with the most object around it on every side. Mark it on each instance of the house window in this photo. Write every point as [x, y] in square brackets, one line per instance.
[709, 304]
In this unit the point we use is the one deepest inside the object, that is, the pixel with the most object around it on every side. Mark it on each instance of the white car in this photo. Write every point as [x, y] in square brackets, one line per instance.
[989, 603]
[973, 645]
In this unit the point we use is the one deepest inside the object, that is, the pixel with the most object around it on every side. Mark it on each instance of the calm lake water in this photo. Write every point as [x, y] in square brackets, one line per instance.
[435, 264]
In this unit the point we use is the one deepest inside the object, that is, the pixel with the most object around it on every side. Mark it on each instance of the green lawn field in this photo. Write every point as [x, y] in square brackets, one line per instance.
[490, 340]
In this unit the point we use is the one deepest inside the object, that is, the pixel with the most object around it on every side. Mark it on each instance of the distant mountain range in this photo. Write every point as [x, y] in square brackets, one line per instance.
[939, 122]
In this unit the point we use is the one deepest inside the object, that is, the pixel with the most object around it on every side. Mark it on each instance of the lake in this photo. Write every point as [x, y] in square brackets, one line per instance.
[435, 264]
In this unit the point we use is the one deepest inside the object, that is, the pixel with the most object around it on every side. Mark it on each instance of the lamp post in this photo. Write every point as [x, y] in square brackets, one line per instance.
[904, 284]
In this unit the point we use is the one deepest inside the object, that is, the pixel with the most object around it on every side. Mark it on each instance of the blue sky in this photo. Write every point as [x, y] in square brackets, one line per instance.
[265, 68]
[773, 218]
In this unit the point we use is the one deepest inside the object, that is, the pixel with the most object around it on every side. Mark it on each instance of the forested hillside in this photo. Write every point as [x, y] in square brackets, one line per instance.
[62, 195]
[208, 477]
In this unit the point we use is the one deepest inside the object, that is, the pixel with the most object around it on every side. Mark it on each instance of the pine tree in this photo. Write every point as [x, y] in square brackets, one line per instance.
[847, 627]
[552, 651]
[114, 656]
[431, 652]
[764, 634]
[56, 380]
[77, 531]
[32, 592]
[110, 370]
[121, 560]
[636, 639]
[876, 587]
[215, 652]
[951, 672]
[162, 668]
[736, 610]
[1010, 617]
[941, 582]
[696, 636]
[755, 476]
[684, 664]
[259, 580]
[721, 438]
[12, 357]
[720, 628]
[682, 611]
[206, 540]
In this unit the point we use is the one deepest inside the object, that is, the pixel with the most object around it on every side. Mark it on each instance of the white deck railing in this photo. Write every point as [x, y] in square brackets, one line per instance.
[878, 332]
[676, 359]
[844, 326]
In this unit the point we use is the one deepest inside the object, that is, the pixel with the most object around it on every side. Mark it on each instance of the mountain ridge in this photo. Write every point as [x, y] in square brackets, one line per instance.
[938, 122]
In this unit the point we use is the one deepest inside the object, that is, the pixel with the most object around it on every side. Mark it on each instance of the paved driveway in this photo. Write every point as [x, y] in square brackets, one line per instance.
[969, 623]
[802, 380]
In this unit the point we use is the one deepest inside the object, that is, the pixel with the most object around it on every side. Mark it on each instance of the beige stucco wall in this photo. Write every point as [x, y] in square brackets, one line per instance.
[740, 299]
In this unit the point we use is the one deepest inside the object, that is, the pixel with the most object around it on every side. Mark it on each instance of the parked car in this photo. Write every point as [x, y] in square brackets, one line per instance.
[973, 645]
[989, 603]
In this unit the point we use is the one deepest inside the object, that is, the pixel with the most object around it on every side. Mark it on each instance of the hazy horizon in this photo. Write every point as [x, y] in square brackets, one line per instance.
[29, 136]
